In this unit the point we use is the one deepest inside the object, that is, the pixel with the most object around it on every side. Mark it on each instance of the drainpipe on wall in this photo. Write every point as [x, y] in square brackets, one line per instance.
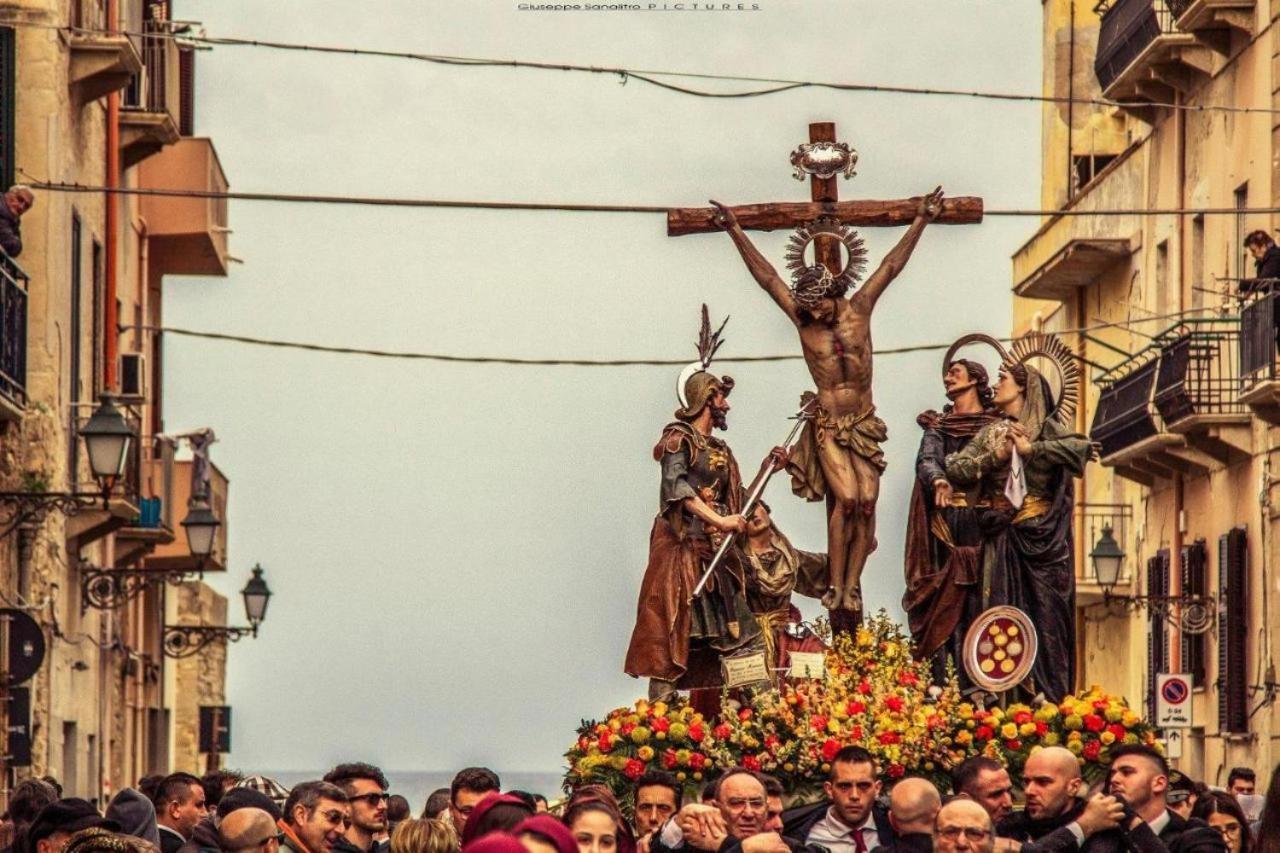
[112, 249]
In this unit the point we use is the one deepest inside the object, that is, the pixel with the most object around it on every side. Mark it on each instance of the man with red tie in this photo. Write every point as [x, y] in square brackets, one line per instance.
[851, 821]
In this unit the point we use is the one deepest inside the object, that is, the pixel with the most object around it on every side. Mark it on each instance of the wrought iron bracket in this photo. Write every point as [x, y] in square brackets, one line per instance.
[34, 507]
[181, 641]
[107, 589]
[1191, 614]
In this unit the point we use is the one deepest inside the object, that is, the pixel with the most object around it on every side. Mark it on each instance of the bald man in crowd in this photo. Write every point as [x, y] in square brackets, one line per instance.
[963, 826]
[1056, 817]
[913, 807]
[248, 831]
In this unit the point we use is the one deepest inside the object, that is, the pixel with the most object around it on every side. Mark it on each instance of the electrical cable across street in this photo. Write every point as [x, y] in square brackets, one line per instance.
[579, 362]
[776, 84]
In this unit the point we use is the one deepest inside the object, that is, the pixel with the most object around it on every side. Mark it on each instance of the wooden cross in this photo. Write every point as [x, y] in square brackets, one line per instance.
[768, 216]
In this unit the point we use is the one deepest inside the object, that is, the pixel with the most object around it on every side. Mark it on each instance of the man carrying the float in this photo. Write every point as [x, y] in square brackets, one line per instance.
[679, 638]
[944, 540]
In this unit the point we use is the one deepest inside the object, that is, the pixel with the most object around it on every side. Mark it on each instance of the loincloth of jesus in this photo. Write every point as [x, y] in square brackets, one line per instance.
[860, 434]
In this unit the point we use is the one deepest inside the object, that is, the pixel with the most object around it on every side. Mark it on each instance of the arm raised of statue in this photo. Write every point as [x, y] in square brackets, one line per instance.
[759, 266]
[896, 260]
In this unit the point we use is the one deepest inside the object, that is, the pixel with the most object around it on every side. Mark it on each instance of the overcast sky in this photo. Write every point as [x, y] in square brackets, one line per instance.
[455, 550]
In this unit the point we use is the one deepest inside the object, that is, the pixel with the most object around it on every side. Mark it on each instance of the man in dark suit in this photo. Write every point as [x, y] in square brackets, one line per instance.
[849, 820]
[1140, 776]
[180, 805]
[736, 819]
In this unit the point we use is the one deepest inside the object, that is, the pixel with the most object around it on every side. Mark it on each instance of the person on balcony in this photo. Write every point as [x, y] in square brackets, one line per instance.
[1266, 263]
[17, 201]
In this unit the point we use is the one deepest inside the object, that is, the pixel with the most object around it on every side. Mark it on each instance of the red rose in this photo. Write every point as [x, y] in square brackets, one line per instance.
[894, 704]
[984, 733]
[908, 677]
[722, 731]
[1117, 730]
[1100, 704]
[897, 771]
[1013, 745]
[855, 707]
[856, 732]
[818, 723]
[887, 738]
[829, 749]
[751, 763]
[628, 728]
[697, 761]
[1022, 717]
[744, 714]
[1042, 729]
[865, 687]
[1094, 723]
[606, 742]
[634, 769]
[697, 733]
[661, 724]
[669, 759]
[1091, 750]
[935, 722]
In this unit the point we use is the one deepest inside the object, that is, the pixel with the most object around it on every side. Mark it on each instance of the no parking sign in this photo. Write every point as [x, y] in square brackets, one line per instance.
[1173, 701]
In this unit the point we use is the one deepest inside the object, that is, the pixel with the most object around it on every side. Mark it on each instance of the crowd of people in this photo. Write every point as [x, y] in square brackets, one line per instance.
[1141, 806]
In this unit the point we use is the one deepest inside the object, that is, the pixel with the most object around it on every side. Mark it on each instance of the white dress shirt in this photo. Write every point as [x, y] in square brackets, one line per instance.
[837, 836]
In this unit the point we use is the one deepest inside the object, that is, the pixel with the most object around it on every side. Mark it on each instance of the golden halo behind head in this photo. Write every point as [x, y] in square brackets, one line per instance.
[1041, 347]
[973, 338]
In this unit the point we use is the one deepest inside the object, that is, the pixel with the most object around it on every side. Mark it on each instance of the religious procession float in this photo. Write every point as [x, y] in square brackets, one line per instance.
[986, 664]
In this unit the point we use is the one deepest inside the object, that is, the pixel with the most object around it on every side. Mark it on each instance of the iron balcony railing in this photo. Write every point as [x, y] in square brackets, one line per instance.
[13, 331]
[1127, 27]
[156, 88]
[1258, 339]
[1190, 369]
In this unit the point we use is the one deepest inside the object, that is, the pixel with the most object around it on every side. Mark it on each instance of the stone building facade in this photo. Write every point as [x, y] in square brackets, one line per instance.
[101, 93]
[1180, 383]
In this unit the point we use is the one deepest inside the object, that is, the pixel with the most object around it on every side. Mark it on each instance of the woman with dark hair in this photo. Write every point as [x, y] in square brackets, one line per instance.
[1269, 825]
[596, 823]
[1221, 811]
[1023, 467]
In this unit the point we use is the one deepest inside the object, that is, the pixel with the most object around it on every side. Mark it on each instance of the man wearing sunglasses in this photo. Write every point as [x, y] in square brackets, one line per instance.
[366, 790]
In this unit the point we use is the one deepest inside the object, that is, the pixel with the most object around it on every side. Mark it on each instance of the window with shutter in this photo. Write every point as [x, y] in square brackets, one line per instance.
[1157, 636]
[1233, 632]
[186, 91]
[1195, 582]
[8, 94]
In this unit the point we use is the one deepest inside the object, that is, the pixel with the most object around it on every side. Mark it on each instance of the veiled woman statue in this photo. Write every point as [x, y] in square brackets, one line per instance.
[1022, 468]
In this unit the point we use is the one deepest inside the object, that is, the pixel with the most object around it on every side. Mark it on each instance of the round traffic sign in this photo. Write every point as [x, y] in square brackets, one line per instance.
[1175, 691]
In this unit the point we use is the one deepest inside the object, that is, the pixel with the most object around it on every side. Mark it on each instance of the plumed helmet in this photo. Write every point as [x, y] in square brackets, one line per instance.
[698, 391]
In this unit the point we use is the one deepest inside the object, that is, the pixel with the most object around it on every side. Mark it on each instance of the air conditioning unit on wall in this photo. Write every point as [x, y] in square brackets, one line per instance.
[133, 377]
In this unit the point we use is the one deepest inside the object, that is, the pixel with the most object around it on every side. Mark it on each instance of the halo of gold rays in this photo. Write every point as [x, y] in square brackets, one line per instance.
[825, 226]
[1046, 347]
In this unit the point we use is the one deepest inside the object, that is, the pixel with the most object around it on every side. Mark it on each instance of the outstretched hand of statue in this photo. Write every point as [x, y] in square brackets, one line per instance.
[724, 217]
[930, 205]
[942, 493]
[778, 458]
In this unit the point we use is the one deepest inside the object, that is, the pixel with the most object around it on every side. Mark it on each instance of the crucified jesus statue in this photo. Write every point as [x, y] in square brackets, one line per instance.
[839, 456]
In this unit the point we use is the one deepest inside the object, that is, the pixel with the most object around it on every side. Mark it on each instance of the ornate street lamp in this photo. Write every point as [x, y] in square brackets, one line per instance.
[182, 641]
[1107, 558]
[200, 526]
[257, 595]
[107, 437]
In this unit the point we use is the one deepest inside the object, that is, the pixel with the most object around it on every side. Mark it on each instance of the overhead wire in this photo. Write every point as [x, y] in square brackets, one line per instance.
[579, 362]
[566, 207]
[774, 85]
